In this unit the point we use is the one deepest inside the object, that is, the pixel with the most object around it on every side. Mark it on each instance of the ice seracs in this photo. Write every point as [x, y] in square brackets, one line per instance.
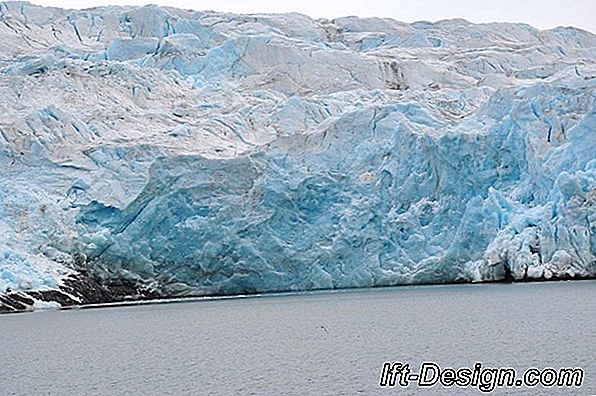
[209, 153]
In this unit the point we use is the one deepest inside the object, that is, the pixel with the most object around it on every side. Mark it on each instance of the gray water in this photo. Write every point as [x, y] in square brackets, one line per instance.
[328, 343]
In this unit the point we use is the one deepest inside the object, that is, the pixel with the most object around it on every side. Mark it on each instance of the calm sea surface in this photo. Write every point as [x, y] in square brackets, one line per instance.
[328, 343]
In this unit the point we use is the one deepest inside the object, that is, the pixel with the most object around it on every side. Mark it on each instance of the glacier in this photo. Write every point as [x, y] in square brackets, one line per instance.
[204, 153]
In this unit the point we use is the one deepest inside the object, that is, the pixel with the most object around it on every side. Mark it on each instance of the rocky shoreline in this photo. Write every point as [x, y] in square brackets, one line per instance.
[76, 290]
[84, 289]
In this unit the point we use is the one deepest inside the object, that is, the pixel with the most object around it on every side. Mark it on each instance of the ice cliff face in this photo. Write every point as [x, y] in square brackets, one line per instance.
[215, 153]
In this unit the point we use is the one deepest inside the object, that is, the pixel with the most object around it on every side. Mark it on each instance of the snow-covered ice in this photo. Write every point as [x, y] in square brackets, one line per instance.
[213, 153]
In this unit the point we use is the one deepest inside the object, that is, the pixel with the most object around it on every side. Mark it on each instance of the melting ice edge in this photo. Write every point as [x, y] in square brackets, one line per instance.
[153, 151]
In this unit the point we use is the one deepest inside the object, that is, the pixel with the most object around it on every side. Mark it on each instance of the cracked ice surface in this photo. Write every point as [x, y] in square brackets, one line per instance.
[221, 153]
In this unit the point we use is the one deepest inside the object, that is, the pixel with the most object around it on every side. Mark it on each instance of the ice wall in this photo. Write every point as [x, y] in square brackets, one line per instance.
[218, 153]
